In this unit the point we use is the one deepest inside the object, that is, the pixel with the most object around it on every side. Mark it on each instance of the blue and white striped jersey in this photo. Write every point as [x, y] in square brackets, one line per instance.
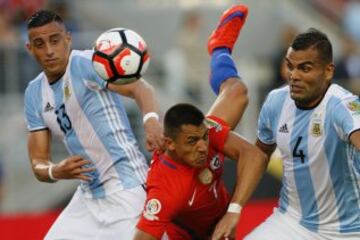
[91, 121]
[321, 176]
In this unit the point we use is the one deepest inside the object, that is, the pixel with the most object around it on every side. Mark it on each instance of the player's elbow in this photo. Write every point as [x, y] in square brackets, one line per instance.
[259, 158]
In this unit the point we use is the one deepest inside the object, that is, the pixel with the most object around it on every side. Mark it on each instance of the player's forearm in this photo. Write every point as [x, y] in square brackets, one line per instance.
[250, 169]
[41, 169]
[144, 95]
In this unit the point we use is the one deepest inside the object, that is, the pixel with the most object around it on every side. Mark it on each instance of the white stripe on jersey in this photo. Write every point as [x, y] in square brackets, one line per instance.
[137, 161]
[116, 126]
[293, 204]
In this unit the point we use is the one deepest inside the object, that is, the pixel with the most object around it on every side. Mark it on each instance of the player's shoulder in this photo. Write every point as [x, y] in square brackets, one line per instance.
[80, 62]
[166, 174]
[276, 99]
[81, 58]
[280, 92]
[35, 84]
[339, 92]
[341, 96]
[82, 54]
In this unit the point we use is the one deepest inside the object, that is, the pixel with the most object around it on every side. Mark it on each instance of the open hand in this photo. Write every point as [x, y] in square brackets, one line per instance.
[74, 167]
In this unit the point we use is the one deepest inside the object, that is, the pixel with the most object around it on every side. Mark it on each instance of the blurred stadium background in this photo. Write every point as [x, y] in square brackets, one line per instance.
[176, 32]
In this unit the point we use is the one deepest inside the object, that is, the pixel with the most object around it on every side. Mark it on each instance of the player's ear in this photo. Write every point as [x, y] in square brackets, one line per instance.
[68, 37]
[169, 144]
[329, 71]
[28, 47]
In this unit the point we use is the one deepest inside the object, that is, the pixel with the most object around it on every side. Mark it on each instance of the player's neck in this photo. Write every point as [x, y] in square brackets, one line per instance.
[53, 78]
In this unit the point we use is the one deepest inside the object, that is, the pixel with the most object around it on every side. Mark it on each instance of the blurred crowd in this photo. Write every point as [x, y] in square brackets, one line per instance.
[13, 15]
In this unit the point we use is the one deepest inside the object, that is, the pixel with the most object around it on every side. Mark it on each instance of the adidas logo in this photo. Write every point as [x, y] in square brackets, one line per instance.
[48, 107]
[284, 129]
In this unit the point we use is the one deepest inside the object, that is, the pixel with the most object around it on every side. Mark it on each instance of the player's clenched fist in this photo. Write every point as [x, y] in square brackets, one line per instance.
[74, 167]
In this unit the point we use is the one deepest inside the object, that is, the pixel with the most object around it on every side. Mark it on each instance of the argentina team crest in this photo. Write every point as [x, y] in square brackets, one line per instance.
[354, 106]
[67, 90]
[316, 125]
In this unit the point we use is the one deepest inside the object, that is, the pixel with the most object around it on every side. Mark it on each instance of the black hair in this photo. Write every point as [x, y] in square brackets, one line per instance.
[315, 39]
[181, 114]
[43, 17]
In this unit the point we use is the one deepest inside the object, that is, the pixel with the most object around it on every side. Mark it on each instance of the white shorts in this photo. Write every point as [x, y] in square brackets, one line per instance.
[114, 217]
[280, 226]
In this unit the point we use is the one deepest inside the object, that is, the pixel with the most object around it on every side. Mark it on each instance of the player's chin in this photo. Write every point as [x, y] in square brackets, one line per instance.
[200, 162]
[296, 96]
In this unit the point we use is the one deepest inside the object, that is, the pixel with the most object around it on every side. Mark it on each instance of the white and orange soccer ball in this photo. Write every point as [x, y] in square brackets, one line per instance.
[120, 56]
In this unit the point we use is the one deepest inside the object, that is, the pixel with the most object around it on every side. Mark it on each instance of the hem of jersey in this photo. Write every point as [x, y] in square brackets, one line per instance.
[89, 194]
[263, 142]
[352, 131]
[38, 129]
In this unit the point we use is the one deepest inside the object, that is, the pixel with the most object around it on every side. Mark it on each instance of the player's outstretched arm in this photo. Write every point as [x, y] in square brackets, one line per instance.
[39, 152]
[144, 95]
[251, 164]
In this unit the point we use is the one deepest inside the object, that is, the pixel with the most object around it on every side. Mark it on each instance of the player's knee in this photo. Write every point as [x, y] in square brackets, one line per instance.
[235, 90]
[222, 69]
[235, 87]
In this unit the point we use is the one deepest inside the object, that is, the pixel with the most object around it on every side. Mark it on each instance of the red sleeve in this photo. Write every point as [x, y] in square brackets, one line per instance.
[160, 207]
[218, 132]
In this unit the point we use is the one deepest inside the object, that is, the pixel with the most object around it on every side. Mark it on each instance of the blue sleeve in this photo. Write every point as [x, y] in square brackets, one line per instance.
[264, 131]
[32, 105]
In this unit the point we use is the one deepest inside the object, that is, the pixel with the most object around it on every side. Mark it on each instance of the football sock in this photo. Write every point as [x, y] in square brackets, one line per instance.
[222, 67]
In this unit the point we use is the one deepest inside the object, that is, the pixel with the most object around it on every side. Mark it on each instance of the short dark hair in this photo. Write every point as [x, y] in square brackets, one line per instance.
[316, 39]
[43, 17]
[181, 114]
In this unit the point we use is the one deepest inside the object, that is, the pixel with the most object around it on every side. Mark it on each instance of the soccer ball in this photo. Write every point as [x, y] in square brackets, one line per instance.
[120, 56]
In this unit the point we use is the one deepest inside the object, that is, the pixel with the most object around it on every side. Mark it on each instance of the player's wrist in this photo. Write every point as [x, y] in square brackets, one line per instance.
[234, 208]
[149, 115]
[51, 173]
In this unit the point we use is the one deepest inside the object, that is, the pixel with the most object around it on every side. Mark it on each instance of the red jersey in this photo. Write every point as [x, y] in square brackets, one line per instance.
[185, 202]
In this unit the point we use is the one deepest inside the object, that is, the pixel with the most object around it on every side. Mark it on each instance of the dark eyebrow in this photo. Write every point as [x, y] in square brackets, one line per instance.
[303, 63]
[55, 35]
[51, 36]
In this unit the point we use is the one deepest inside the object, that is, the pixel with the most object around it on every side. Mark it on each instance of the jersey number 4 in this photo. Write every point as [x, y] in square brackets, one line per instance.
[298, 152]
[63, 119]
